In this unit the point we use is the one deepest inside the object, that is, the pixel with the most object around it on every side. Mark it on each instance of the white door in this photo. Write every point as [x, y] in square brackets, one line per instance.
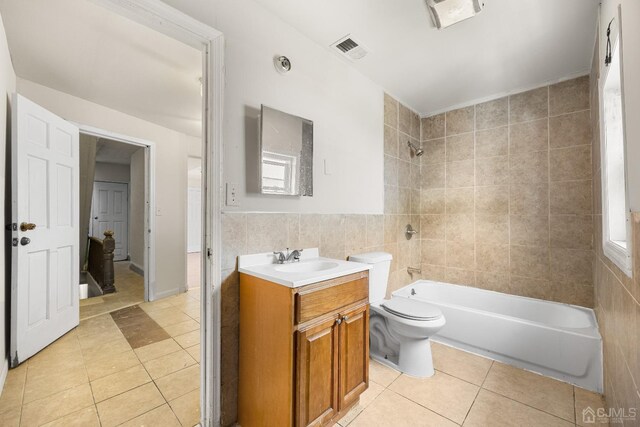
[110, 211]
[194, 220]
[44, 255]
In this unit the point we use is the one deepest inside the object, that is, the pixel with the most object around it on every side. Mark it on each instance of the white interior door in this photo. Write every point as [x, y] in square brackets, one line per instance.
[110, 211]
[194, 220]
[44, 259]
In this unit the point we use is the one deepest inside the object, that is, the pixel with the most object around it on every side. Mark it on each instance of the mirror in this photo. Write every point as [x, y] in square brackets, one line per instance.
[286, 154]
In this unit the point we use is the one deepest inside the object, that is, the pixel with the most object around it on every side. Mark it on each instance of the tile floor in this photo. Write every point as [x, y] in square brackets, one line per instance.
[100, 374]
[469, 390]
[130, 291]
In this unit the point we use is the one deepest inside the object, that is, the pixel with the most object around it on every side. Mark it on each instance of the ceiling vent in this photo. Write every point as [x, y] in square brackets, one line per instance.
[350, 48]
[448, 12]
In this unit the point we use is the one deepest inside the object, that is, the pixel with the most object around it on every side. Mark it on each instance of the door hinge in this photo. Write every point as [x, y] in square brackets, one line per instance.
[12, 227]
[209, 253]
[14, 241]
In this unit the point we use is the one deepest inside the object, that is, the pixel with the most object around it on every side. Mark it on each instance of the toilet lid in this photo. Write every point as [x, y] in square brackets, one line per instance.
[411, 309]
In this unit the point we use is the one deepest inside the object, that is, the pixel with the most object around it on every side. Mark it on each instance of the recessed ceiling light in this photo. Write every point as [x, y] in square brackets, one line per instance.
[448, 12]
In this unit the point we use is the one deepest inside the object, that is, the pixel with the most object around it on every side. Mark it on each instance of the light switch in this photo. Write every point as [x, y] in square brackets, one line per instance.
[232, 194]
[158, 212]
[327, 167]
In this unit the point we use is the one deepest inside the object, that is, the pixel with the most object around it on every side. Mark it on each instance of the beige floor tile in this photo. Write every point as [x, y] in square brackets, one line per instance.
[585, 398]
[366, 398]
[169, 316]
[131, 404]
[13, 390]
[446, 395]
[382, 374]
[11, 417]
[187, 408]
[103, 366]
[194, 352]
[57, 405]
[42, 368]
[107, 349]
[460, 364]
[110, 334]
[189, 339]
[179, 383]
[157, 349]
[535, 390]
[391, 409]
[114, 384]
[38, 387]
[182, 328]
[162, 416]
[491, 409]
[87, 417]
[155, 305]
[169, 363]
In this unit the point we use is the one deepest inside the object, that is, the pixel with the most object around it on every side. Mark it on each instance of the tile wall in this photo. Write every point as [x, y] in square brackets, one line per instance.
[617, 296]
[505, 194]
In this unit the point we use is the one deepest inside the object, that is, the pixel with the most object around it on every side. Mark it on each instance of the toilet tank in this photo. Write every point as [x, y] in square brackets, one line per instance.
[378, 275]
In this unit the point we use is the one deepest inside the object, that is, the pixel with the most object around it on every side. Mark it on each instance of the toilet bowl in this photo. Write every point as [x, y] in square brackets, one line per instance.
[399, 328]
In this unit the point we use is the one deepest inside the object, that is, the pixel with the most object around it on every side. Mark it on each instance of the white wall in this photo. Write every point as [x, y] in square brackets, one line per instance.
[112, 172]
[631, 74]
[7, 87]
[136, 209]
[171, 175]
[345, 106]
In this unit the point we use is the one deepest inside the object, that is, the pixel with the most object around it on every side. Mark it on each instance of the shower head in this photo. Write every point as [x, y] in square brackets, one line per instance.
[416, 150]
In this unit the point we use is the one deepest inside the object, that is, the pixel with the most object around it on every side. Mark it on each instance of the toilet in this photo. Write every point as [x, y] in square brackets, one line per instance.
[400, 327]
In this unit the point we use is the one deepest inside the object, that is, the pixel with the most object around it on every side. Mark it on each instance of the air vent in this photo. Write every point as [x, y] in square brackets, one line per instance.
[348, 47]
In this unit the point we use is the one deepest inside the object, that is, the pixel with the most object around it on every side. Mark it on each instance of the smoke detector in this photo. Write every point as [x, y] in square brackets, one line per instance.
[448, 12]
[348, 47]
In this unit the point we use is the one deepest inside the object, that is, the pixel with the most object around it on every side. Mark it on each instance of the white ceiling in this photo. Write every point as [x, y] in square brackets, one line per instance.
[510, 46]
[69, 45]
[109, 151]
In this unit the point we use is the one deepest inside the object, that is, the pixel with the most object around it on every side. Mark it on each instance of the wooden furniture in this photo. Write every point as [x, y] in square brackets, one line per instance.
[100, 265]
[304, 352]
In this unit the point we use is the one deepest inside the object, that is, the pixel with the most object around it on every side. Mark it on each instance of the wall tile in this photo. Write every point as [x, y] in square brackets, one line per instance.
[375, 230]
[529, 199]
[332, 235]
[390, 111]
[433, 176]
[433, 252]
[529, 167]
[529, 230]
[392, 248]
[404, 119]
[266, 233]
[571, 163]
[460, 255]
[310, 230]
[459, 121]
[390, 141]
[570, 129]
[530, 261]
[570, 197]
[432, 226]
[571, 231]
[492, 229]
[460, 228]
[530, 105]
[434, 151]
[432, 127]
[234, 238]
[493, 200]
[404, 201]
[432, 201]
[571, 266]
[492, 114]
[498, 282]
[414, 177]
[415, 126]
[529, 136]
[355, 233]
[390, 199]
[530, 287]
[390, 228]
[492, 171]
[460, 174]
[494, 258]
[459, 200]
[404, 174]
[293, 237]
[404, 152]
[433, 272]
[460, 147]
[492, 142]
[390, 170]
[459, 276]
[569, 96]
[415, 202]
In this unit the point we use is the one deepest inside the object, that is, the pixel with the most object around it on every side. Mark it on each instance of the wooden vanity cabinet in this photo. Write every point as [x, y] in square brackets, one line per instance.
[304, 352]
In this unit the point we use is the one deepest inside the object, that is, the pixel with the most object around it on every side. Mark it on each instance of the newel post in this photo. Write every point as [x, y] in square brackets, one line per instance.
[108, 246]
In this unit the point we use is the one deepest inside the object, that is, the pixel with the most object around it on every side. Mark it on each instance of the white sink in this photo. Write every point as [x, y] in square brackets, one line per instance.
[306, 267]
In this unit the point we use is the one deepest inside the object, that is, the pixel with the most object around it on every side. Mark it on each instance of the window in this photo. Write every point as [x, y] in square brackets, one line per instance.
[616, 225]
[277, 173]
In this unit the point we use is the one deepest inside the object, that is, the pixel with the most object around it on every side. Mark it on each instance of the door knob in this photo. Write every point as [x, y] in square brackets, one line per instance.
[25, 241]
[95, 217]
[26, 226]
[338, 321]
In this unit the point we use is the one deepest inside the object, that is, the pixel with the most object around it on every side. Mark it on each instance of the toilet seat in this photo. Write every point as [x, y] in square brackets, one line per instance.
[411, 309]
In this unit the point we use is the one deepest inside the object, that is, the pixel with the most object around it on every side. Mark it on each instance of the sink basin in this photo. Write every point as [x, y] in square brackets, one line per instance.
[306, 267]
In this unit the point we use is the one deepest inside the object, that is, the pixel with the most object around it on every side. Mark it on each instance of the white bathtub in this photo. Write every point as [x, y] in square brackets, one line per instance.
[558, 340]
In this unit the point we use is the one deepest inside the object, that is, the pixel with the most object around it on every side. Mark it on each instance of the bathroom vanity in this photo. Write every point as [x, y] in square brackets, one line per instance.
[304, 340]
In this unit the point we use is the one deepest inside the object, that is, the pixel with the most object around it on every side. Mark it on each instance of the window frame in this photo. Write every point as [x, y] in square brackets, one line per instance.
[619, 255]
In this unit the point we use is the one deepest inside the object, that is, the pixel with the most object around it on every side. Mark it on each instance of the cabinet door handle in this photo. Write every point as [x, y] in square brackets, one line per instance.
[345, 318]
[338, 321]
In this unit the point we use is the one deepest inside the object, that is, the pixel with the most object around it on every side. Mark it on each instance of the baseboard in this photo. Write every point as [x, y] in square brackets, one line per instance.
[164, 294]
[3, 374]
[136, 268]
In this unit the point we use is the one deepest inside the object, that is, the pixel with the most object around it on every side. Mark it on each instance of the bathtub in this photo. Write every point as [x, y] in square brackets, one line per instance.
[558, 340]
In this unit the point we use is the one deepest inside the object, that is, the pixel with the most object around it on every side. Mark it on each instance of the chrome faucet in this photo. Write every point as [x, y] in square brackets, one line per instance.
[293, 256]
